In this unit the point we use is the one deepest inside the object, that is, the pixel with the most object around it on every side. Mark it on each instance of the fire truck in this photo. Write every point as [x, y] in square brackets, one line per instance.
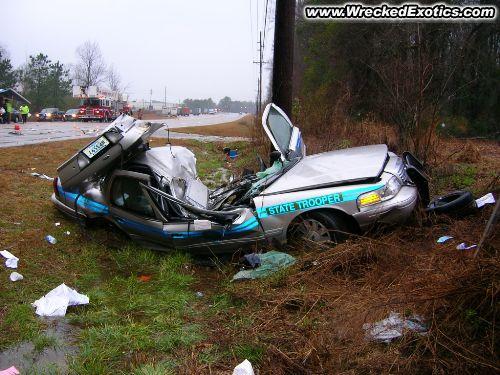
[98, 104]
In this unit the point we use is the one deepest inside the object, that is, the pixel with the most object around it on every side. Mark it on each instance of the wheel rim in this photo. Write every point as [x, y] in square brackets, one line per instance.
[313, 230]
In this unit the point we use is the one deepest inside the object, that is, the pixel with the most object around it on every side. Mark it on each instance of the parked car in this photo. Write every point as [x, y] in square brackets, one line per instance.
[50, 114]
[212, 111]
[71, 115]
[154, 195]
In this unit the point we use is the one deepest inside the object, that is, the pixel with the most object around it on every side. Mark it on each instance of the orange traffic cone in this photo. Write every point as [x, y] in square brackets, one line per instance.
[17, 129]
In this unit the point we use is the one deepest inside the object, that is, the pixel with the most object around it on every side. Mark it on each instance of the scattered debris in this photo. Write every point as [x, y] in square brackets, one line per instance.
[10, 371]
[253, 259]
[270, 262]
[55, 302]
[394, 327]
[50, 239]
[42, 176]
[443, 239]
[244, 368]
[199, 294]
[463, 246]
[57, 224]
[67, 233]
[11, 261]
[144, 278]
[485, 199]
[14, 276]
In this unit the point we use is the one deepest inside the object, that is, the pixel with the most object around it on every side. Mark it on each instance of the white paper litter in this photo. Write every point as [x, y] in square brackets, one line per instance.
[463, 246]
[10, 371]
[244, 368]
[55, 302]
[393, 327]
[42, 176]
[443, 239]
[14, 276]
[57, 224]
[485, 199]
[11, 261]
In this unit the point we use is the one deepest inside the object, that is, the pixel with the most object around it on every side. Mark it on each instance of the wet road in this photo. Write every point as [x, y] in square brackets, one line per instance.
[39, 132]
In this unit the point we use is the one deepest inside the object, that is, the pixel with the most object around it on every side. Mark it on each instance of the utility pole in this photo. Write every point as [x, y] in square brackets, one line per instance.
[284, 29]
[259, 86]
[165, 98]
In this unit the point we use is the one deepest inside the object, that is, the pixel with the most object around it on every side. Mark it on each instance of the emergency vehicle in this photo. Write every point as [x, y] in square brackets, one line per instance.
[99, 105]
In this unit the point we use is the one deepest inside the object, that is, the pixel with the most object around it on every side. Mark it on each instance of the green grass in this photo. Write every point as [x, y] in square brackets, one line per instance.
[130, 326]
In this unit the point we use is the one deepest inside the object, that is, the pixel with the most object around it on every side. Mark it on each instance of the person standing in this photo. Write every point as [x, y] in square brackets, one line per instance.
[8, 109]
[24, 109]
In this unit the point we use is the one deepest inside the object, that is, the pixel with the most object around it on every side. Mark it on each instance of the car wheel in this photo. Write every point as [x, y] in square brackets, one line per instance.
[456, 203]
[319, 227]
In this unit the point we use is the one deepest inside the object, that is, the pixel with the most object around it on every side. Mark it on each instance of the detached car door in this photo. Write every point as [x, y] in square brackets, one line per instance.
[286, 138]
[133, 210]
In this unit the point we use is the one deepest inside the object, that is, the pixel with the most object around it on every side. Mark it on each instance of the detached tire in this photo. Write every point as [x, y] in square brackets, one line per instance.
[456, 203]
[319, 227]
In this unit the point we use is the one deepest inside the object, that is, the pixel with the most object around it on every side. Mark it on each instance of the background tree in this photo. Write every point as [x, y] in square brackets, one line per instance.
[90, 69]
[113, 79]
[225, 104]
[45, 83]
[7, 73]
[413, 76]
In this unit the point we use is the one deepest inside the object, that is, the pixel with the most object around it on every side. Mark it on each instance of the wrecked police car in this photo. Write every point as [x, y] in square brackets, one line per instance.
[155, 196]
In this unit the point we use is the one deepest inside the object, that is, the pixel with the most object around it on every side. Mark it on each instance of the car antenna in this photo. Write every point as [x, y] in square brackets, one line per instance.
[168, 140]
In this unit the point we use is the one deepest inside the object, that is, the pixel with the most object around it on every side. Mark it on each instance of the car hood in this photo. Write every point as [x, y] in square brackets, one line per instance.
[334, 167]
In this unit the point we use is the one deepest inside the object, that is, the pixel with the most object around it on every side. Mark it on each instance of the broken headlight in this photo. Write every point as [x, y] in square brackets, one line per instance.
[380, 195]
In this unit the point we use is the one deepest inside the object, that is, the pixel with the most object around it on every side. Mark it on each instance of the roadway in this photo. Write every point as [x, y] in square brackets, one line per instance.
[40, 132]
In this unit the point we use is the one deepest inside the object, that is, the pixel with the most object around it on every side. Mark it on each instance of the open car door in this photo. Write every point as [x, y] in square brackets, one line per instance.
[286, 138]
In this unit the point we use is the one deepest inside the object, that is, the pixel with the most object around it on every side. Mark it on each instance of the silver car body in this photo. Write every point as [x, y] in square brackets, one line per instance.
[183, 213]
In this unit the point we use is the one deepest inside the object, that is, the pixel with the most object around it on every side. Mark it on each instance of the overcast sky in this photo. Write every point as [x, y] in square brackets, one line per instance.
[196, 48]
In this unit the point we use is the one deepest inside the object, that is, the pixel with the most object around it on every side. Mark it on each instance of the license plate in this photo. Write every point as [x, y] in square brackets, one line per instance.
[95, 147]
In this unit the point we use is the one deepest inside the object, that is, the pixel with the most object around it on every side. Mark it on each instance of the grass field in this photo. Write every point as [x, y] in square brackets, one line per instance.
[238, 128]
[306, 319]
[130, 326]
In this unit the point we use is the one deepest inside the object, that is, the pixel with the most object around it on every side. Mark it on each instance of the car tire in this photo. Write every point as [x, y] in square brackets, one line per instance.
[319, 227]
[456, 203]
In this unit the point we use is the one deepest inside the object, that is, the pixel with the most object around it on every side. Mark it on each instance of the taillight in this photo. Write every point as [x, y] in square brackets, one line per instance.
[54, 185]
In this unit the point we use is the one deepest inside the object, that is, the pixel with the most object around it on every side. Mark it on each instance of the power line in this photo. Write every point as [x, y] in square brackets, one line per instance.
[265, 23]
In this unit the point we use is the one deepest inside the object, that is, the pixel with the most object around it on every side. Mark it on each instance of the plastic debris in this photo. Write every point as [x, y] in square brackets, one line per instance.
[10, 371]
[50, 239]
[463, 246]
[11, 259]
[253, 259]
[67, 233]
[394, 327]
[144, 278]
[199, 294]
[55, 302]
[485, 199]
[244, 368]
[57, 224]
[443, 239]
[14, 276]
[42, 176]
[270, 262]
